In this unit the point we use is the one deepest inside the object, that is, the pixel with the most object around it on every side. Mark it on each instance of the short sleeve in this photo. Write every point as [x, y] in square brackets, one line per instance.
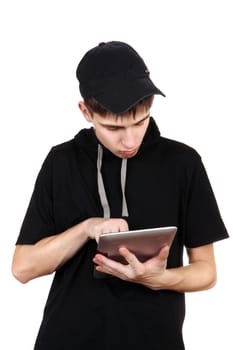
[38, 222]
[204, 224]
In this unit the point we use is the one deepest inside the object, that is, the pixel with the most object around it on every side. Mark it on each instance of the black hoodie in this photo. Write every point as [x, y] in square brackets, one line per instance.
[166, 185]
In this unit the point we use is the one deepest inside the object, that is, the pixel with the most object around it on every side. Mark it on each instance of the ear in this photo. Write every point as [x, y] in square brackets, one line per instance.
[86, 113]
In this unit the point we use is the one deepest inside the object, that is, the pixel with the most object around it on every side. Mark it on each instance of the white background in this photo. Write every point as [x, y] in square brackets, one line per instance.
[187, 46]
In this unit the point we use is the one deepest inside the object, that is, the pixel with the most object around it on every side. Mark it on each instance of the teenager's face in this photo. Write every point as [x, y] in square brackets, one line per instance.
[122, 135]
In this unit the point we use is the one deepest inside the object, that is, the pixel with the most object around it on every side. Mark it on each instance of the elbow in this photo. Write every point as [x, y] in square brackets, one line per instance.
[20, 274]
[21, 270]
[29, 262]
[211, 280]
[24, 272]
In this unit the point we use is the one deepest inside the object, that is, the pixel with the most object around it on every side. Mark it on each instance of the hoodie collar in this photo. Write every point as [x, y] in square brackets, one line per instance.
[87, 139]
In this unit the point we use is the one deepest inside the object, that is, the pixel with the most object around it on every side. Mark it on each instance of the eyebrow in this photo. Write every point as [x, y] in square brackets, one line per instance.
[122, 127]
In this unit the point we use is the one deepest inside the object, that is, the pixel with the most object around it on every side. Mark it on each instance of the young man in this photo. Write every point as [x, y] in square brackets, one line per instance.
[120, 174]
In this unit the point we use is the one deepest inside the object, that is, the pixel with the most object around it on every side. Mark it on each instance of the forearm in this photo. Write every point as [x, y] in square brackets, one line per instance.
[197, 276]
[47, 255]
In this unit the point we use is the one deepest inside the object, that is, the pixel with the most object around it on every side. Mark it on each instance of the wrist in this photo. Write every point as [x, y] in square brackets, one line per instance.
[168, 279]
[81, 231]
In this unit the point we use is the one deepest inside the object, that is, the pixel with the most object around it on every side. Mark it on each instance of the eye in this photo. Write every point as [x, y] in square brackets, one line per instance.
[111, 128]
[140, 123]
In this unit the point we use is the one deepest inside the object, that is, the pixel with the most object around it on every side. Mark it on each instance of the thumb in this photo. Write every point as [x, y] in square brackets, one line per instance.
[164, 252]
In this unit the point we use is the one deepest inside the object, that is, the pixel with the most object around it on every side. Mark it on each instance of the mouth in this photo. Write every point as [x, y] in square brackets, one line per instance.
[128, 154]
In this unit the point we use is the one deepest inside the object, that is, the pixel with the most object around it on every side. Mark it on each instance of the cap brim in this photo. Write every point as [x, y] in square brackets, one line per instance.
[119, 98]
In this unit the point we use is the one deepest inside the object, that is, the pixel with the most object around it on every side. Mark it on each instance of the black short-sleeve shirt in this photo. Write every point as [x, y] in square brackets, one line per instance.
[166, 185]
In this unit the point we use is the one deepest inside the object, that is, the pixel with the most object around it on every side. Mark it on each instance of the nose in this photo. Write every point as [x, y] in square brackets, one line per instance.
[128, 139]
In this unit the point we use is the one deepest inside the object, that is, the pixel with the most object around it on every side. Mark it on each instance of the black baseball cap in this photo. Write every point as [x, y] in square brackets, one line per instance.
[116, 76]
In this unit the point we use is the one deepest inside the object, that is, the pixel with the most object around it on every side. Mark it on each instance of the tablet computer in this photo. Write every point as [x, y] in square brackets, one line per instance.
[145, 243]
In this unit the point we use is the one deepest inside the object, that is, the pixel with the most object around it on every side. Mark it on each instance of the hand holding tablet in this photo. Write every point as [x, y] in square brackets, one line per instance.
[145, 243]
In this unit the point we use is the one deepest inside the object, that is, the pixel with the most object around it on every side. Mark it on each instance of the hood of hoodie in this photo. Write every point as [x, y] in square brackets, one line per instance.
[87, 140]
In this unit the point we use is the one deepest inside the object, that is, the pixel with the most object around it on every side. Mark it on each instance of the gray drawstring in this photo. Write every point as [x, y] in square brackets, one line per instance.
[123, 181]
[101, 189]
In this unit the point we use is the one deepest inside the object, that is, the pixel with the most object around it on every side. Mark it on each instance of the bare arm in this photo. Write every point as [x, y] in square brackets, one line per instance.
[200, 274]
[47, 255]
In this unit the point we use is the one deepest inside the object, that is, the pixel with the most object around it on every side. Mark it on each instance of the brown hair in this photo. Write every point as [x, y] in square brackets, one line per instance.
[95, 107]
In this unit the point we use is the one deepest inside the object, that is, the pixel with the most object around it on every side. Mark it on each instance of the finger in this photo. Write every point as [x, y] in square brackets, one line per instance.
[164, 252]
[110, 266]
[103, 261]
[129, 257]
[100, 259]
[123, 225]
